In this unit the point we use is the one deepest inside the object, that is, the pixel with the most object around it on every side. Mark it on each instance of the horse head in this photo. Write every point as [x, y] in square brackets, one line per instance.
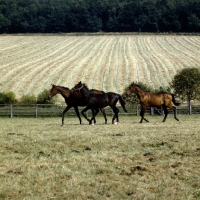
[53, 91]
[78, 87]
[131, 88]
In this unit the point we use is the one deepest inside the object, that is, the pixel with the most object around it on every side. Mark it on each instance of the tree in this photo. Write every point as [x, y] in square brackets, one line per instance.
[186, 84]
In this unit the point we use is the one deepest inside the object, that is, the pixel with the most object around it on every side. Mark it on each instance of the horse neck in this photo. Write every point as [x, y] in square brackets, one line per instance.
[85, 92]
[64, 91]
[139, 92]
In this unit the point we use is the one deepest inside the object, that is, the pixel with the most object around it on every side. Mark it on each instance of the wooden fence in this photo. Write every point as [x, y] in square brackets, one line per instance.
[51, 110]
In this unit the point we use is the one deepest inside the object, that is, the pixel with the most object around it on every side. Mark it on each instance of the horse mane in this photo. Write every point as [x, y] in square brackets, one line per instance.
[62, 87]
[85, 85]
[140, 87]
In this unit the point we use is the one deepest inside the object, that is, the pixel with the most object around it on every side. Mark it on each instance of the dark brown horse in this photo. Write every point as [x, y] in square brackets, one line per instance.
[95, 101]
[163, 99]
[74, 100]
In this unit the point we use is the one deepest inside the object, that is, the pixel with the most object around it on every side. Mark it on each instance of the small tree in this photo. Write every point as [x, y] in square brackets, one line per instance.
[186, 84]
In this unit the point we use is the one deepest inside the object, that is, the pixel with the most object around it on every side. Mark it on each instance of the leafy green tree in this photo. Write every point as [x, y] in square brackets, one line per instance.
[186, 84]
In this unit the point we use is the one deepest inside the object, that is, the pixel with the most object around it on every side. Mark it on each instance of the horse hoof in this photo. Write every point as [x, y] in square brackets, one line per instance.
[116, 123]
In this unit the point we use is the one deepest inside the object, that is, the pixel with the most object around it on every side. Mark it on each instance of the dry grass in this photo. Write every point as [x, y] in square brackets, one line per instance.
[42, 160]
[31, 63]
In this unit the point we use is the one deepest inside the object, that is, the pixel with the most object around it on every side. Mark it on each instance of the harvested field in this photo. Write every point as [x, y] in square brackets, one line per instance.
[31, 63]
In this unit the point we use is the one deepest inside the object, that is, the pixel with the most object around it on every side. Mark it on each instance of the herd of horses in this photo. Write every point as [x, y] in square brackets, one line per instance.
[81, 95]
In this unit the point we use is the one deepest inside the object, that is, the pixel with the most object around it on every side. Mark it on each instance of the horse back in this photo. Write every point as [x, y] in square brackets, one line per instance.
[158, 99]
[96, 91]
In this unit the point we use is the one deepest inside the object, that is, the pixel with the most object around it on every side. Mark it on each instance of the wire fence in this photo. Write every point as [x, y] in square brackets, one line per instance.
[52, 110]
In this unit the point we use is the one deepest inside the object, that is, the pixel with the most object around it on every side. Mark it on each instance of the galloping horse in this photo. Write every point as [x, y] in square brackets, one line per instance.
[153, 99]
[74, 100]
[95, 101]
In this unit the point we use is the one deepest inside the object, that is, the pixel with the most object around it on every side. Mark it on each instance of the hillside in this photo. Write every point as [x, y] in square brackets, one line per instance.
[31, 63]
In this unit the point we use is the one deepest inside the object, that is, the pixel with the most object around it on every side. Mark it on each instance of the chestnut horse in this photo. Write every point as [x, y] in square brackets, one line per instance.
[95, 101]
[74, 100]
[163, 99]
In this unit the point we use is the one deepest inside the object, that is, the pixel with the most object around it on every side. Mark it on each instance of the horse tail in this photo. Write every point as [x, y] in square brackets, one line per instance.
[122, 102]
[174, 101]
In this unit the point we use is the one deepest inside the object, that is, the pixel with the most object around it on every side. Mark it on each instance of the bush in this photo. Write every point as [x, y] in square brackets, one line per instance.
[7, 98]
[43, 98]
[28, 99]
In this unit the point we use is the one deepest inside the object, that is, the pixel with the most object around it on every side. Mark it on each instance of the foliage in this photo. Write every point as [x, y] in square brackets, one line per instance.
[7, 98]
[186, 84]
[42, 98]
[97, 15]
[28, 99]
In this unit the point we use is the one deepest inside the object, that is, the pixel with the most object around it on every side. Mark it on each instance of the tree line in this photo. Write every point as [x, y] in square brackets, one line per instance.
[50, 16]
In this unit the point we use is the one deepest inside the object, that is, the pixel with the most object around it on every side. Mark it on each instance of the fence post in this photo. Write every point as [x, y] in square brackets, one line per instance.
[190, 108]
[36, 111]
[11, 110]
[152, 109]
[137, 110]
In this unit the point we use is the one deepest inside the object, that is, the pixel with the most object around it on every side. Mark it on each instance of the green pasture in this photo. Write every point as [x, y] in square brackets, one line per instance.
[39, 159]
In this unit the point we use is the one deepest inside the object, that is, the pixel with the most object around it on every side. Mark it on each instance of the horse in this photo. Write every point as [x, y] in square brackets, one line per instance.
[163, 99]
[95, 101]
[74, 100]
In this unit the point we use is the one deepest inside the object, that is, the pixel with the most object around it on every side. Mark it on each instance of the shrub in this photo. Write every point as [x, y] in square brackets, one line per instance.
[28, 99]
[7, 98]
[43, 98]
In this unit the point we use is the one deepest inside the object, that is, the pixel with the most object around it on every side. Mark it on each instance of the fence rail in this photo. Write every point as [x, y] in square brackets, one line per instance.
[52, 110]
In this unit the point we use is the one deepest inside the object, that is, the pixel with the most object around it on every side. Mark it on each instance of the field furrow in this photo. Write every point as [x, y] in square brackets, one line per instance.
[82, 63]
[31, 63]
[107, 79]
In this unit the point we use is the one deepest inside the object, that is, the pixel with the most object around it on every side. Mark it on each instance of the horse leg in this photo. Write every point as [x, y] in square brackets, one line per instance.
[63, 114]
[84, 111]
[93, 115]
[165, 112]
[104, 114]
[116, 111]
[142, 114]
[77, 113]
[174, 109]
[96, 112]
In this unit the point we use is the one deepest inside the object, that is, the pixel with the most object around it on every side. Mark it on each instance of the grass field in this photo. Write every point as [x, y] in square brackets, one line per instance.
[31, 63]
[42, 160]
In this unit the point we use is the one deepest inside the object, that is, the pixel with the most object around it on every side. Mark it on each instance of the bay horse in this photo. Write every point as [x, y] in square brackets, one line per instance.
[95, 101]
[74, 100]
[163, 99]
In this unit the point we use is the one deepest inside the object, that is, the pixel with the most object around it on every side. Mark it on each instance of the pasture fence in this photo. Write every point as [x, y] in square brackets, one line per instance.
[53, 110]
